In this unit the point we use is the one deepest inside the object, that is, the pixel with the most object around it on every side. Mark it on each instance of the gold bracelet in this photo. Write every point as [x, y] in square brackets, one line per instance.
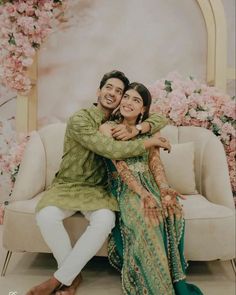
[163, 186]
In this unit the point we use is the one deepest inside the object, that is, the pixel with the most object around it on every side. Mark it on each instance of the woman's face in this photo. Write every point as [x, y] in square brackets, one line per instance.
[131, 104]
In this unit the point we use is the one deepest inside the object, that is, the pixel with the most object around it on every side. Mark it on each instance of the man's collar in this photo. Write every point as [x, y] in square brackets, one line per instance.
[98, 114]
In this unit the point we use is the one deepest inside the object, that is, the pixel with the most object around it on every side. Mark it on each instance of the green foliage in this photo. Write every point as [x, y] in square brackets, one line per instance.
[168, 87]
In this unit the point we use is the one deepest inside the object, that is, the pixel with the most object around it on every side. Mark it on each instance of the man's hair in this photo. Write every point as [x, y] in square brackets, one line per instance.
[115, 74]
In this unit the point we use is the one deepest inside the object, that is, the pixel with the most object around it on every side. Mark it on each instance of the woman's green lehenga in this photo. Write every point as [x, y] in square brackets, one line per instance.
[150, 258]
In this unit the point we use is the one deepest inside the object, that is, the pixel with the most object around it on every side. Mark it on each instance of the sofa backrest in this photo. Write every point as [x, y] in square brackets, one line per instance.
[210, 163]
[207, 149]
[199, 136]
[52, 137]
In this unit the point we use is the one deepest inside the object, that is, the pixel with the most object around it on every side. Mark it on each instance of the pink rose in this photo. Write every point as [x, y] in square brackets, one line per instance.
[26, 62]
[10, 9]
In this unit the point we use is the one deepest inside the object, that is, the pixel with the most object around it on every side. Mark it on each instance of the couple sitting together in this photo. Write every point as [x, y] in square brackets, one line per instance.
[112, 173]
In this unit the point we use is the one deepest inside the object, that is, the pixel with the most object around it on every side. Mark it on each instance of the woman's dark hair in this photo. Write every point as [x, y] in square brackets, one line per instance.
[115, 74]
[146, 96]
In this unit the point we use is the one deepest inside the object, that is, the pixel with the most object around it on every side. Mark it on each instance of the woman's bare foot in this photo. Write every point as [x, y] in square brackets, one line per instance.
[46, 288]
[70, 290]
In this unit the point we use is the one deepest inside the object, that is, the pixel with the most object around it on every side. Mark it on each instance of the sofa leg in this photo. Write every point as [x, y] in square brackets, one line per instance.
[6, 262]
[233, 265]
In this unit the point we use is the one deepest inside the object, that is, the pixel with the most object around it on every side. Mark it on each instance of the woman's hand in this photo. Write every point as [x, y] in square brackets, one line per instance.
[152, 213]
[169, 200]
[123, 132]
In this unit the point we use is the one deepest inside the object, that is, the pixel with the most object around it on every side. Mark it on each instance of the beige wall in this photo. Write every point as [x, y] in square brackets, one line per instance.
[145, 39]
[229, 6]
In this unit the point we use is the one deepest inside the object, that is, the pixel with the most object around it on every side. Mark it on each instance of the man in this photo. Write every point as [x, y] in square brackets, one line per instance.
[79, 185]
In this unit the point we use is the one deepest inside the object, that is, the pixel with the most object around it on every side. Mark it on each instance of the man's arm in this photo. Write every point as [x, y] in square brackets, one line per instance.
[156, 123]
[152, 124]
[82, 130]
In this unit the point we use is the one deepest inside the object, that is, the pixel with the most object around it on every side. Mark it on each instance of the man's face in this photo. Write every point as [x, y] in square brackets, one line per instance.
[109, 96]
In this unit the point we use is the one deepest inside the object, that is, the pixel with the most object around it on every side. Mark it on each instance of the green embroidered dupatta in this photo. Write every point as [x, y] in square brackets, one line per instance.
[150, 259]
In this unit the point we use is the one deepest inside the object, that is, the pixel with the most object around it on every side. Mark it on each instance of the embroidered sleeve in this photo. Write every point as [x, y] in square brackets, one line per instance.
[128, 177]
[157, 168]
[169, 196]
[82, 130]
[157, 122]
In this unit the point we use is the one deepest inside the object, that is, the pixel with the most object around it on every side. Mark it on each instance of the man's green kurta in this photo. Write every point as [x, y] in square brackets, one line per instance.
[80, 183]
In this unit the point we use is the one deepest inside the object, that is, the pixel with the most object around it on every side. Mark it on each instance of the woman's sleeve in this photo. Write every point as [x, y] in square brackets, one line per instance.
[128, 177]
[157, 168]
[169, 196]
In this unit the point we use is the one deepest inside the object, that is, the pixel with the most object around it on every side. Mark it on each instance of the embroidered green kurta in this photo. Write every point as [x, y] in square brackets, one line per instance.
[81, 182]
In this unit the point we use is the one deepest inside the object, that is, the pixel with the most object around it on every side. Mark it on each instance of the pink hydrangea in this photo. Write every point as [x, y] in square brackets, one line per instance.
[12, 147]
[24, 27]
[187, 102]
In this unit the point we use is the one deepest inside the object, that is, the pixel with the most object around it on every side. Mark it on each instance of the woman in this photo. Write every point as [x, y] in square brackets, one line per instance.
[147, 242]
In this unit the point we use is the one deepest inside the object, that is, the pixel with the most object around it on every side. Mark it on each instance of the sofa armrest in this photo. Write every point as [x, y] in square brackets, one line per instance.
[216, 185]
[31, 177]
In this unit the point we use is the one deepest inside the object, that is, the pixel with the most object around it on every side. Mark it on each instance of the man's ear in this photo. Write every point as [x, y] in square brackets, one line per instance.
[98, 92]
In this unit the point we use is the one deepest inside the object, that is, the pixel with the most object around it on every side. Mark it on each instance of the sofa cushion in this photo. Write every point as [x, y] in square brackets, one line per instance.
[209, 230]
[25, 206]
[198, 207]
[31, 176]
[179, 167]
[205, 224]
[20, 218]
[195, 207]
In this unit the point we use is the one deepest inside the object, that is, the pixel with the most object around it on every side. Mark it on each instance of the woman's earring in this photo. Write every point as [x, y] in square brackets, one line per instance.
[140, 118]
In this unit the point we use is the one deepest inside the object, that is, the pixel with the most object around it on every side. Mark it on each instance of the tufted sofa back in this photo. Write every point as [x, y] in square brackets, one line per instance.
[209, 155]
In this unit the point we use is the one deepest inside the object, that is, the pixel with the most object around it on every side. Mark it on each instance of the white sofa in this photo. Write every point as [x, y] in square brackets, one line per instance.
[209, 208]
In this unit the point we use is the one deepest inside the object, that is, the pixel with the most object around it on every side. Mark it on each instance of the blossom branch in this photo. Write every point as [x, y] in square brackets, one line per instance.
[8, 100]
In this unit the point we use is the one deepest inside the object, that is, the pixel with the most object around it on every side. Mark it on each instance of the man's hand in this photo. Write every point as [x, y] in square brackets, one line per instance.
[162, 142]
[123, 132]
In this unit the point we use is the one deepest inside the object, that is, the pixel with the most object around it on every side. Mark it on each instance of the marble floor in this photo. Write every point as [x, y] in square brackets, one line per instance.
[99, 278]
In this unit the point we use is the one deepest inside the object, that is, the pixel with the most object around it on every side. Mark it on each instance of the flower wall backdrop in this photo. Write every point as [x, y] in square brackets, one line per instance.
[12, 147]
[24, 27]
[187, 102]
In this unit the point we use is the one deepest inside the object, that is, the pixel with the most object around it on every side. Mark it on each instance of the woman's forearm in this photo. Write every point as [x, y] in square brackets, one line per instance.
[157, 168]
[128, 177]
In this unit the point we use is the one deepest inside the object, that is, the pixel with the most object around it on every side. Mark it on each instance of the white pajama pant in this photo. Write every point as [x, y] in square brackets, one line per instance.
[71, 260]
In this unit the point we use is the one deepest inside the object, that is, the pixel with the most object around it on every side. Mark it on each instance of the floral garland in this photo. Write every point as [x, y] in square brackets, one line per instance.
[12, 147]
[24, 27]
[187, 102]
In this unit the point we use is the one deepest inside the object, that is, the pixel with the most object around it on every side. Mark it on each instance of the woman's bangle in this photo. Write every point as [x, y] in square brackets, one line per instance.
[163, 186]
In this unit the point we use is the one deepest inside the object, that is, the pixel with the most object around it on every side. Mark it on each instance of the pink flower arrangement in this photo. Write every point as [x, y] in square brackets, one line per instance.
[187, 102]
[24, 25]
[11, 152]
